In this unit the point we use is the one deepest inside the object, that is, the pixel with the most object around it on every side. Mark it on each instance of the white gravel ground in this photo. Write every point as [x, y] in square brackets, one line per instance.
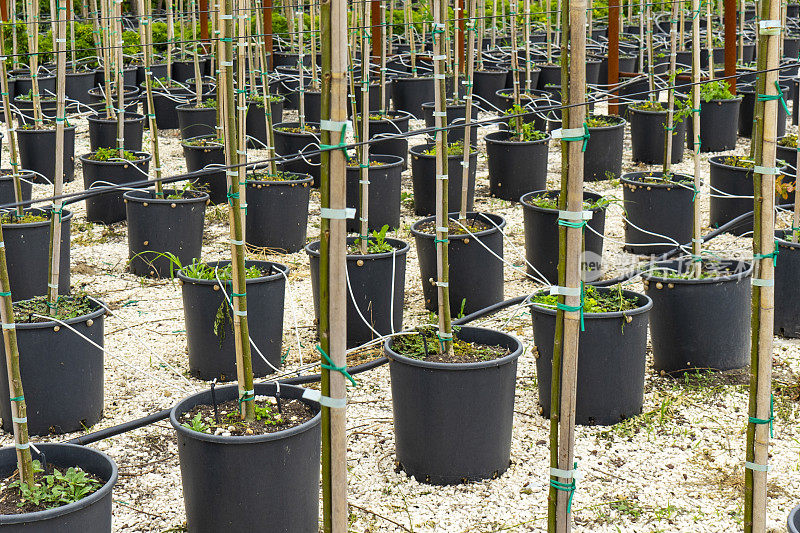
[678, 467]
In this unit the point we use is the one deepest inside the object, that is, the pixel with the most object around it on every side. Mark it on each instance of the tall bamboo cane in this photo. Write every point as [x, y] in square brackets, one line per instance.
[668, 137]
[264, 73]
[470, 72]
[146, 32]
[363, 189]
[697, 223]
[10, 130]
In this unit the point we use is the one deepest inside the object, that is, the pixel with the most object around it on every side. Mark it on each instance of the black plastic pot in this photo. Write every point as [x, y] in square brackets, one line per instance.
[256, 121]
[648, 136]
[109, 207]
[603, 157]
[183, 70]
[7, 195]
[612, 355]
[312, 105]
[28, 256]
[165, 102]
[531, 101]
[549, 75]
[736, 181]
[476, 275]
[787, 154]
[62, 374]
[157, 226]
[377, 284]
[23, 109]
[213, 357]
[77, 85]
[199, 157]
[665, 209]
[288, 143]
[392, 124]
[277, 213]
[453, 421]
[91, 514]
[700, 323]
[515, 167]
[37, 149]
[787, 299]
[718, 125]
[748, 93]
[285, 463]
[24, 84]
[487, 83]
[408, 94]
[384, 193]
[196, 121]
[455, 117]
[793, 522]
[103, 132]
[374, 97]
[541, 238]
[423, 174]
[97, 100]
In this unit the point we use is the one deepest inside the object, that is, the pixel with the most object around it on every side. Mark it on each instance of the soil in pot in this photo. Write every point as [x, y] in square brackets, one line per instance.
[453, 420]
[423, 175]
[659, 211]
[27, 244]
[62, 373]
[37, 148]
[648, 134]
[602, 159]
[384, 174]
[203, 153]
[89, 514]
[277, 216]
[612, 353]
[164, 228]
[517, 164]
[108, 167]
[103, 132]
[209, 320]
[719, 118]
[476, 274]
[292, 141]
[701, 322]
[285, 462]
[376, 286]
[540, 216]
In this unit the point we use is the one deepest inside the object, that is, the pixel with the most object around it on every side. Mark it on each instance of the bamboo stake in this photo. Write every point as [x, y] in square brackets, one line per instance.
[264, 73]
[198, 82]
[313, 42]
[513, 5]
[697, 222]
[120, 83]
[301, 112]
[549, 36]
[33, 47]
[10, 130]
[385, 45]
[332, 273]
[170, 37]
[589, 21]
[682, 29]
[108, 62]
[14, 43]
[494, 29]
[565, 345]
[527, 35]
[710, 41]
[651, 78]
[227, 102]
[182, 24]
[363, 189]
[146, 29]
[481, 32]
[741, 31]
[668, 137]
[410, 36]
[241, 113]
[462, 214]
[96, 31]
[763, 292]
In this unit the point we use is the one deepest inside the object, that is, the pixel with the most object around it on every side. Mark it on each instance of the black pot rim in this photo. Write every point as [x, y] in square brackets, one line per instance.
[501, 223]
[99, 311]
[239, 439]
[399, 247]
[649, 112]
[717, 279]
[630, 181]
[49, 514]
[781, 241]
[394, 161]
[217, 145]
[277, 131]
[9, 176]
[525, 204]
[144, 195]
[716, 161]
[409, 77]
[492, 138]
[129, 89]
[250, 262]
[42, 99]
[417, 150]
[723, 100]
[498, 70]
[435, 365]
[143, 158]
[392, 116]
[191, 108]
[25, 131]
[302, 178]
[66, 214]
[648, 304]
[129, 117]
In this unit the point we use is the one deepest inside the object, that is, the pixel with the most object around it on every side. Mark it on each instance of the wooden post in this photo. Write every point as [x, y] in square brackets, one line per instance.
[763, 294]
[730, 43]
[4, 10]
[613, 54]
[332, 273]
[568, 322]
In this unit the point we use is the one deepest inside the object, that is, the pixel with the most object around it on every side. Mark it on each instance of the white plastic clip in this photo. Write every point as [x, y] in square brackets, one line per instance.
[316, 396]
[774, 171]
[770, 27]
[565, 291]
[575, 215]
[757, 467]
[560, 133]
[566, 474]
[335, 125]
[757, 282]
[337, 214]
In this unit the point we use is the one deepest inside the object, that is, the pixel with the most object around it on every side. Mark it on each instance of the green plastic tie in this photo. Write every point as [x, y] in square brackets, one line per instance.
[773, 255]
[442, 241]
[779, 96]
[572, 223]
[5, 293]
[754, 420]
[342, 143]
[565, 487]
[231, 195]
[248, 396]
[574, 308]
[584, 137]
[696, 192]
[330, 366]
[18, 399]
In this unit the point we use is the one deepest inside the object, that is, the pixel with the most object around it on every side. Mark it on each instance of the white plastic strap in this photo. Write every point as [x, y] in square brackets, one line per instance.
[2, 244]
[18, 420]
[438, 76]
[439, 58]
[565, 291]
[337, 214]
[237, 243]
[757, 282]
[769, 27]
[757, 467]
[226, 63]
[442, 229]
[238, 312]
[52, 285]
[766, 170]
[316, 396]
[560, 133]
[364, 182]
[440, 113]
[567, 474]
[441, 283]
[9, 326]
[575, 215]
[335, 125]
[442, 176]
[22, 446]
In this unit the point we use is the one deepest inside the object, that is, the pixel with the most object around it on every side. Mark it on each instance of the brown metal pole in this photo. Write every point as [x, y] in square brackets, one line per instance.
[204, 20]
[613, 53]
[375, 29]
[460, 37]
[268, 31]
[4, 10]
[730, 43]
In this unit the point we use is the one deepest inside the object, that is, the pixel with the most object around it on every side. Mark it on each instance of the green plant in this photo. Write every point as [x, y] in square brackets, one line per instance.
[594, 300]
[377, 242]
[549, 201]
[788, 141]
[210, 103]
[56, 489]
[196, 424]
[109, 154]
[525, 131]
[716, 90]
[454, 148]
